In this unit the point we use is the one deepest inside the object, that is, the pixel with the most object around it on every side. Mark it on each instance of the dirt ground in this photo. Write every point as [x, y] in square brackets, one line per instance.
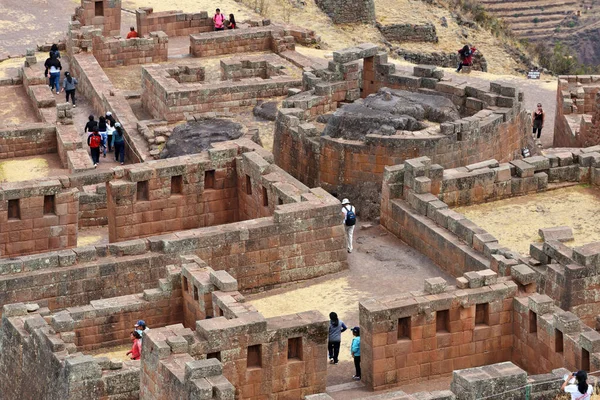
[515, 222]
[92, 236]
[117, 353]
[33, 167]
[15, 106]
[381, 265]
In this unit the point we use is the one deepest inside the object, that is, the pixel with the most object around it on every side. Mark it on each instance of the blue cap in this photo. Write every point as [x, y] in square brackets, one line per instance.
[141, 323]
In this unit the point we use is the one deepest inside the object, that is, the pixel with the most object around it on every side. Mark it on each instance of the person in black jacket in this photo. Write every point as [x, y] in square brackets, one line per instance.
[53, 68]
[91, 125]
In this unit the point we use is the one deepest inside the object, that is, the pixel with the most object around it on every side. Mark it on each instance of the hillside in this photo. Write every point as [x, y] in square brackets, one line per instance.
[305, 13]
[574, 22]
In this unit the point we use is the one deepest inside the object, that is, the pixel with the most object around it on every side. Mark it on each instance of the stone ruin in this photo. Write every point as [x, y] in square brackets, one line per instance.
[192, 231]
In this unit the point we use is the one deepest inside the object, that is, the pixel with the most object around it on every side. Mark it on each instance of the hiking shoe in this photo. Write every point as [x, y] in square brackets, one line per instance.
[331, 361]
[356, 378]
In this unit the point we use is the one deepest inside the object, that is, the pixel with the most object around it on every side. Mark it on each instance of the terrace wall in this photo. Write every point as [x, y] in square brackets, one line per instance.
[27, 140]
[172, 23]
[113, 52]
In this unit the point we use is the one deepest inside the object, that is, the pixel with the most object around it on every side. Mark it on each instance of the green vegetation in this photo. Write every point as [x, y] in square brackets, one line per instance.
[536, 20]
[561, 60]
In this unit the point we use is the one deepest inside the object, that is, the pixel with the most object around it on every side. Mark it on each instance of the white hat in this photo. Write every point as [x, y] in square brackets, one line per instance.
[108, 113]
[345, 201]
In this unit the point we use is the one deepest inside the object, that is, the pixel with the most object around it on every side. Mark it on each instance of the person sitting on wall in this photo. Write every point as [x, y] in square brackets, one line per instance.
[136, 350]
[231, 24]
[219, 20]
[132, 33]
[466, 57]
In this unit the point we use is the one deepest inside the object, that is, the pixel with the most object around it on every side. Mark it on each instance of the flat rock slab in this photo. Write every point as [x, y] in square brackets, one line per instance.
[196, 137]
[560, 233]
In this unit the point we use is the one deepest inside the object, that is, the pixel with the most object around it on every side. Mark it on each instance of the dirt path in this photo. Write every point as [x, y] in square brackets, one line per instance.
[381, 265]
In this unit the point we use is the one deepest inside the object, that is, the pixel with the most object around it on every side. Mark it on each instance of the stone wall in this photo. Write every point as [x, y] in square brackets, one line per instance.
[349, 11]
[102, 14]
[409, 33]
[27, 140]
[494, 126]
[423, 336]
[263, 38]
[37, 216]
[92, 206]
[441, 59]
[111, 52]
[172, 23]
[577, 119]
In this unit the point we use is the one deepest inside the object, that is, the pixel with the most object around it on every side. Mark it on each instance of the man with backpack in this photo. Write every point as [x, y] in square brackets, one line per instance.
[349, 222]
[94, 141]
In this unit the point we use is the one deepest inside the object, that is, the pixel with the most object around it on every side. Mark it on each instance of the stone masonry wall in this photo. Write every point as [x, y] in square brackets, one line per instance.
[92, 206]
[349, 11]
[37, 216]
[27, 140]
[411, 338]
[409, 32]
[120, 52]
[172, 23]
[106, 17]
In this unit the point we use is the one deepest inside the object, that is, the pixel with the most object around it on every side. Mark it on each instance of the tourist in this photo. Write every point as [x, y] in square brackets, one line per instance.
[118, 142]
[54, 53]
[136, 350]
[355, 352]
[69, 86]
[95, 141]
[102, 130]
[141, 327]
[53, 68]
[538, 121]
[132, 33]
[336, 327]
[219, 20]
[231, 24]
[110, 129]
[349, 222]
[580, 390]
[91, 125]
[466, 57]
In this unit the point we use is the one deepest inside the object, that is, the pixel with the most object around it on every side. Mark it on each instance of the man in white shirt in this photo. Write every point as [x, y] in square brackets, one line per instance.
[349, 222]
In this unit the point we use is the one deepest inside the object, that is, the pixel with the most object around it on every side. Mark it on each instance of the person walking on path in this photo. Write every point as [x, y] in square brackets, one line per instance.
[91, 125]
[336, 327]
[136, 350]
[110, 129]
[219, 20]
[355, 352]
[69, 86]
[118, 142]
[132, 33]
[538, 121]
[95, 141]
[580, 390]
[52, 71]
[466, 57]
[349, 222]
[102, 131]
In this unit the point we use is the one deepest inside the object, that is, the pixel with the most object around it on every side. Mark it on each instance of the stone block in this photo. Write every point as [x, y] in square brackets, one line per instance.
[560, 233]
[523, 169]
[489, 276]
[587, 255]
[523, 274]
[590, 340]
[223, 281]
[178, 344]
[203, 368]
[540, 303]
[62, 322]
[435, 285]
[567, 322]
[475, 280]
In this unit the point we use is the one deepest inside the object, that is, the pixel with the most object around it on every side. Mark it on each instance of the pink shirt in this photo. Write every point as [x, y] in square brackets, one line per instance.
[218, 19]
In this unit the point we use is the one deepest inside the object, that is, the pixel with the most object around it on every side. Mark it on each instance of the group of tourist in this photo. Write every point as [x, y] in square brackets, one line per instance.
[221, 23]
[52, 72]
[336, 328]
[104, 135]
[136, 336]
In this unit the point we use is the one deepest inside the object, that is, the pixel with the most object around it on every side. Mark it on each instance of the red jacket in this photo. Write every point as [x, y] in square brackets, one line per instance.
[136, 349]
[467, 60]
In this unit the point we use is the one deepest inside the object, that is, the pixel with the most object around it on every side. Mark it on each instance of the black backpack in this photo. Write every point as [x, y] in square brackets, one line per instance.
[350, 217]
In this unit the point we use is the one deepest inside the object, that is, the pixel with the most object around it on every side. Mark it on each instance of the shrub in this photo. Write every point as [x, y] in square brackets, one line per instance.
[536, 20]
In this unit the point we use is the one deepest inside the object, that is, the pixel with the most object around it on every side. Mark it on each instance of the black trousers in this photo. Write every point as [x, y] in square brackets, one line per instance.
[537, 126]
[72, 94]
[357, 365]
[95, 154]
[334, 350]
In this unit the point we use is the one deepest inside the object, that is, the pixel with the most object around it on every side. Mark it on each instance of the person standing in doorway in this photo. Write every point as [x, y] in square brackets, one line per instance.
[69, 87]
[336, 328]
[355, 352]
[94, 141]
[349, 222]
[219, 20]
[118, 142]
[538, 121]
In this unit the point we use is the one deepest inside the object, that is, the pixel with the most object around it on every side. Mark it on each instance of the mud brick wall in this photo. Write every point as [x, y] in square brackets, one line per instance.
[409, 32]
[409, 339]
[70, 278]
[92, 206]
[241, 41]
[348, 11]
[37, 216]
[173, 23]
[168, 195]
[27, 140]
[107, 17]
[546, 337]
[41, 362]
[165, 98]
[121, 52]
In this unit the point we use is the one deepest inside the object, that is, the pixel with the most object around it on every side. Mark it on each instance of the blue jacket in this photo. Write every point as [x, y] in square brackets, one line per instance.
[335, 332]
[355, 348]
